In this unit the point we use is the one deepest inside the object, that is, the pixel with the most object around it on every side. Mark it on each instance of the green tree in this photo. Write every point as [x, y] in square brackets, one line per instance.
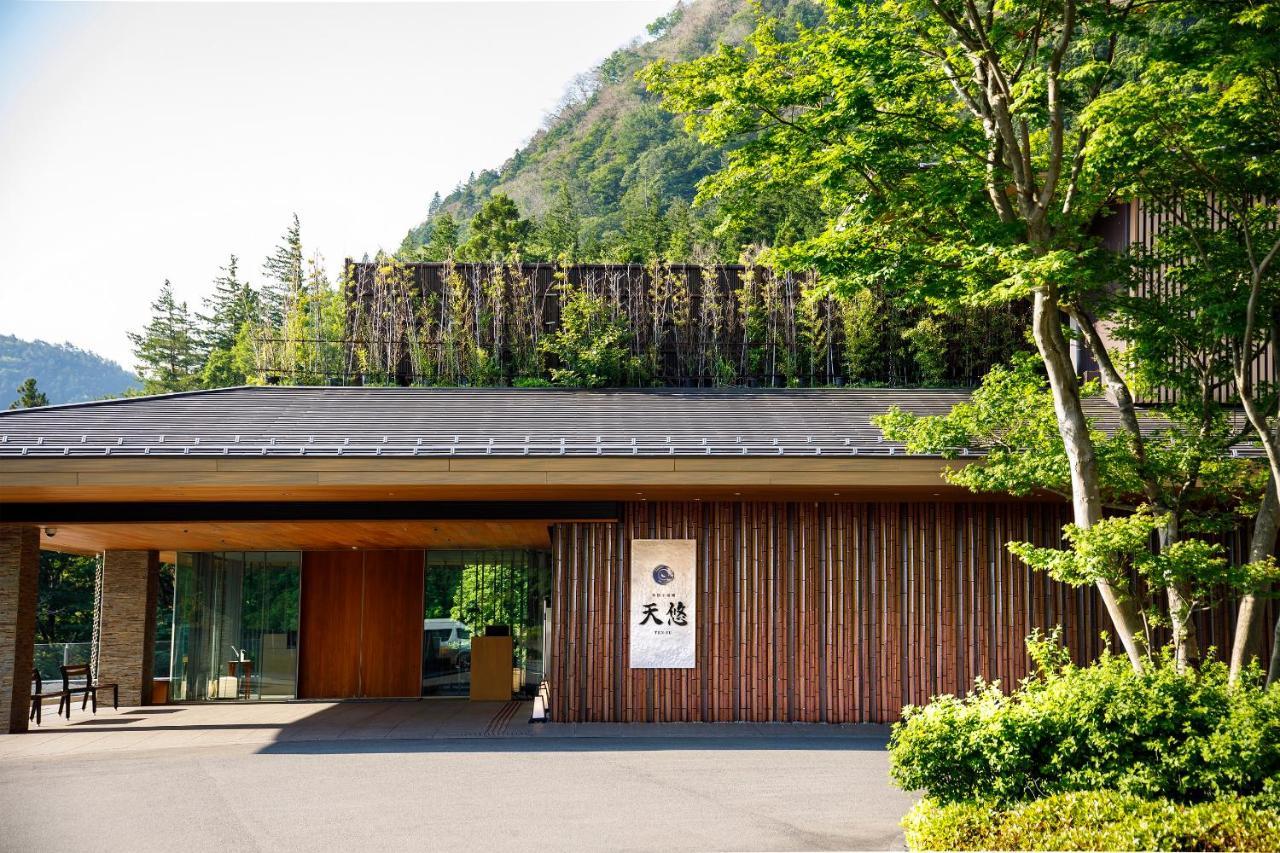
[64, 607]
[167, 350]
[557, 234]
[29, 396]
[232, 305]
[307, 347]
[681, 233]
[444, 238]
[592, 345]
[645, 235]
[282, 274]
[947, 140]
[1181, 468]
[497, 232]
[1193, 132]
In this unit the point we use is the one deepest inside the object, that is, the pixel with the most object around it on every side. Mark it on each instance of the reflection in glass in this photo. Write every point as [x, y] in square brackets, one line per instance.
[466, 592]
[235, 626]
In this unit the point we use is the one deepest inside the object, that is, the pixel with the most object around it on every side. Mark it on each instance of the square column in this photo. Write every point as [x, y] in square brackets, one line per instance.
[127, 636]
[19, 576]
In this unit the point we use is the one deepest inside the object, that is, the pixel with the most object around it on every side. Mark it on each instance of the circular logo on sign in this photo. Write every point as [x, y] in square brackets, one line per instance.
[663, 575]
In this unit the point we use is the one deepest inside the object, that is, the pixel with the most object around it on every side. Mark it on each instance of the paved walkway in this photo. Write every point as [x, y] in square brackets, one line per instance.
[438, 774]
[266, 723]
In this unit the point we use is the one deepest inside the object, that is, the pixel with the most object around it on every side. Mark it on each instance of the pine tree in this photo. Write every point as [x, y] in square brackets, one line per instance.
[282, 274]
[558, 231]
[497, 231]
[29, 396]
[644, 229]
[232, 304]
[443, 242]
[167, 351]
[679, 222]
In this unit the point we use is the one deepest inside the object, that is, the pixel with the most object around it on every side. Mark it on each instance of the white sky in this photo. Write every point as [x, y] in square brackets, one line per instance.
[144, 141]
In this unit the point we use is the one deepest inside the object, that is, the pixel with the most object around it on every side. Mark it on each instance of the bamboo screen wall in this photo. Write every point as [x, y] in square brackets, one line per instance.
[835, 612]
[689, 326]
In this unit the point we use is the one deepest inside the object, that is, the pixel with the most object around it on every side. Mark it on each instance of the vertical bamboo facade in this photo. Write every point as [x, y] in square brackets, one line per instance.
[817, 612]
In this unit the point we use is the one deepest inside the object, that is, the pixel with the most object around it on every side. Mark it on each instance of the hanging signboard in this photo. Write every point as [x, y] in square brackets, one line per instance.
[664, 584]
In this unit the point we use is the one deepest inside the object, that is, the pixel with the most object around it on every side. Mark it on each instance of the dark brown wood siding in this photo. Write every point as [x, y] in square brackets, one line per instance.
[835, 612]
[361, 631]
[329, 636]
[391, 632]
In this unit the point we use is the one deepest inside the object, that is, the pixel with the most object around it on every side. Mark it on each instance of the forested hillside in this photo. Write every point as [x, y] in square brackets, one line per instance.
[611, 176]
[636, 291]
[64, 373]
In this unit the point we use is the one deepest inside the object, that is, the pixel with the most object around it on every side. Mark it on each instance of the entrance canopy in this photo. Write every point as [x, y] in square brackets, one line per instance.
[325, 467]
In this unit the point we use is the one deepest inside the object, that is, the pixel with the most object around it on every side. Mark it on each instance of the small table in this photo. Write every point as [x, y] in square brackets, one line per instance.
[243, 670]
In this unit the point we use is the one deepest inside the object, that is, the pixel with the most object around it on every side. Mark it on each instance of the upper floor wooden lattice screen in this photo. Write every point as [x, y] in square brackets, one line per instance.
[1136, 227]
[685, 325]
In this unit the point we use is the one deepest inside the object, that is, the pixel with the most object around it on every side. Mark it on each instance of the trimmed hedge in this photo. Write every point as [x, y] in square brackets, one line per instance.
[1094, 820]
[1187, 738]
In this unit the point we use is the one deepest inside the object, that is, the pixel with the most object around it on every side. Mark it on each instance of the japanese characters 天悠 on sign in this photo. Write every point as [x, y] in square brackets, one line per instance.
[663, 603]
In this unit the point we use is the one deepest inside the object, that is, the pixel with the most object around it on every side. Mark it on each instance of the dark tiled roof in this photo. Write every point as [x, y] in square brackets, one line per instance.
[324, 421]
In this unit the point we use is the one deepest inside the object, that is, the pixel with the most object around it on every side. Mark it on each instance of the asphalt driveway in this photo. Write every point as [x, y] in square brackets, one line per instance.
[512, 787]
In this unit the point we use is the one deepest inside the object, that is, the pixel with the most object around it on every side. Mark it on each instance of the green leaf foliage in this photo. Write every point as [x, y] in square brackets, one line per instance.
[1011, 424]
[1187, 737]
[592, 345]
[64, 609]
[1094, 820]
[877, 111]
[29, 395]
[1010, 421]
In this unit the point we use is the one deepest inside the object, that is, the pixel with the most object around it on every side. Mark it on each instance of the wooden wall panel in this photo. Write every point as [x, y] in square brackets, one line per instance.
[329, 629]
[837, 612]
[361, 624]
[391, 630]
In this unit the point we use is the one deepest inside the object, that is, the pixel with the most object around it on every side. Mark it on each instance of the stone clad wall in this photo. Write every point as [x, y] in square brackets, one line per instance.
[126, 653]
[19, 575]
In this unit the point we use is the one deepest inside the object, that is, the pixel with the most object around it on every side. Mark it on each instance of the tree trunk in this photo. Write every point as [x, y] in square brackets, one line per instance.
[1086, 495]
[1246, 643]
[1186, 651]
[1273, 671]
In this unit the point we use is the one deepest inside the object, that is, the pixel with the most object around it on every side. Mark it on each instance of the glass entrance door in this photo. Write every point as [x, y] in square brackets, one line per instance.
[469, 593]
[235, 626]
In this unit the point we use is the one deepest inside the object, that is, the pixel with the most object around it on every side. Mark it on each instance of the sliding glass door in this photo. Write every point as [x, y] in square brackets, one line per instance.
[235, 626]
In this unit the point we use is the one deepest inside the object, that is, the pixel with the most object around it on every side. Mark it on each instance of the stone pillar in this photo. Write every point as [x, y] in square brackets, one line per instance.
[19, 576]
[127, 638]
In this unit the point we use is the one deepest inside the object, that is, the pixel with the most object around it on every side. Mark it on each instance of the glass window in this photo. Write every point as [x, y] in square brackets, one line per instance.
[235, 626]
[466, 592]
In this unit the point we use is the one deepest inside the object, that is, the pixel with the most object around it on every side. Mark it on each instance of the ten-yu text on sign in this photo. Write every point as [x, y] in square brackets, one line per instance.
[664, 583]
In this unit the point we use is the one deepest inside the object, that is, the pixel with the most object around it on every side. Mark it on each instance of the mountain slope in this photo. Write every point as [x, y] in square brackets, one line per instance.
[611, 149]
[66, 374]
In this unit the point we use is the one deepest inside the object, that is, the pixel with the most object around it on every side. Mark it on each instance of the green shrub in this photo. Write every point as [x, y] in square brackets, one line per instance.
[593, 344]
[1162, 734]
[1093, 820]
[531, 382]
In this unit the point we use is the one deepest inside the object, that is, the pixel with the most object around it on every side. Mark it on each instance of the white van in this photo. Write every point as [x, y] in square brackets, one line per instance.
[452, 639]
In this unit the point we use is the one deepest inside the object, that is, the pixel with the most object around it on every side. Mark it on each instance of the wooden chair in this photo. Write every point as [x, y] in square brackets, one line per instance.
[38, 696]
[90, 689]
